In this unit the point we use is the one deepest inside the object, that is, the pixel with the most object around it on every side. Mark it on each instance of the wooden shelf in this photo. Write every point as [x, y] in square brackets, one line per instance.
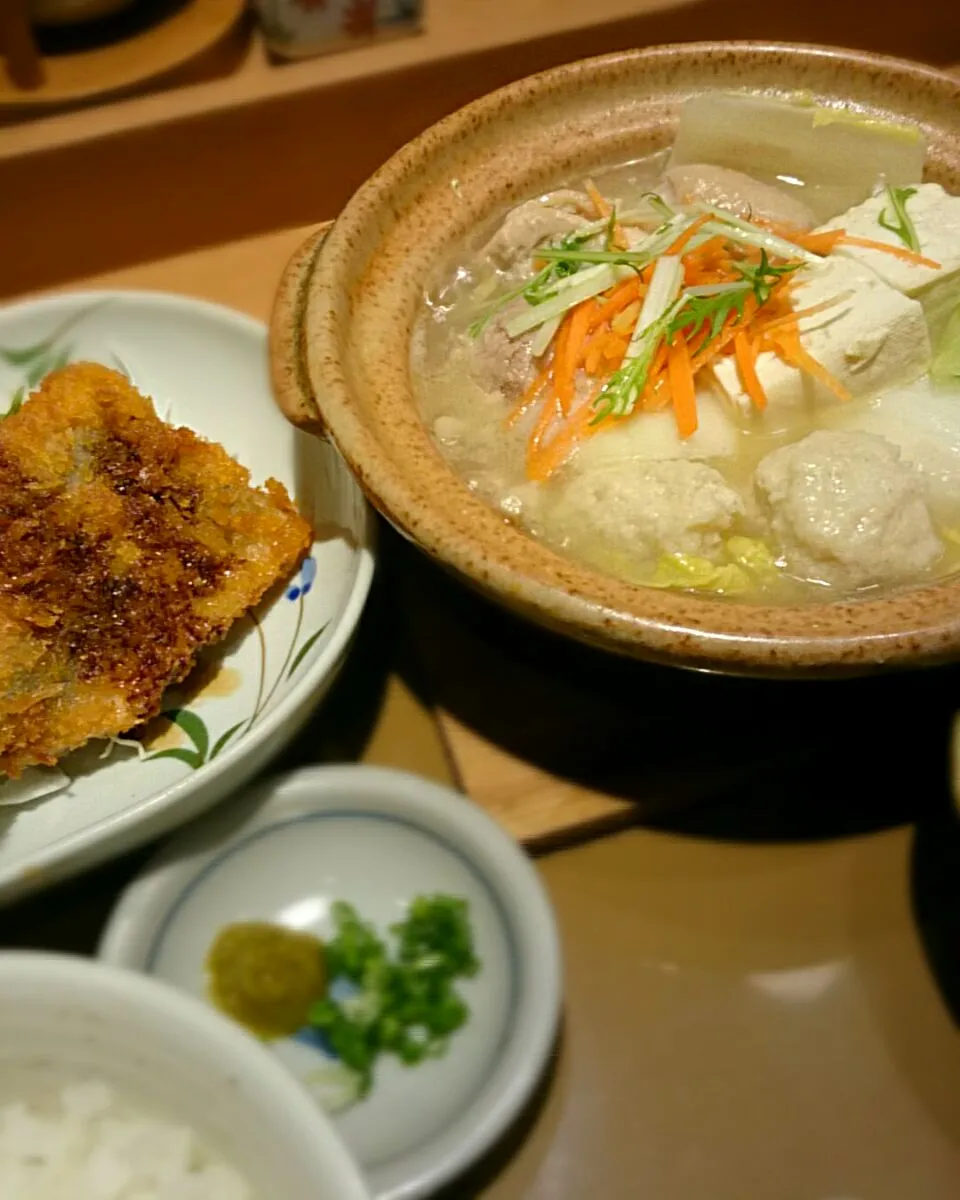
[279, 145]
[452, 28]
[164, 44]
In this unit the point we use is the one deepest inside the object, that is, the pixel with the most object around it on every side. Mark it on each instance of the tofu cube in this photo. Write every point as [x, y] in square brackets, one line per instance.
[872, 339]
[936, 218]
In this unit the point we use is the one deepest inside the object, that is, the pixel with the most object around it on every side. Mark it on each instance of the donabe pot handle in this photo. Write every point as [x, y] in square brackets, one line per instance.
[292, 388]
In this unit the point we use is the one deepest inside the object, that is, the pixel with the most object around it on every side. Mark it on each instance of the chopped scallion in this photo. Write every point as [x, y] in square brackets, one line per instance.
[403, 1004]
[747, 234]
[569, 292]
[620, 393]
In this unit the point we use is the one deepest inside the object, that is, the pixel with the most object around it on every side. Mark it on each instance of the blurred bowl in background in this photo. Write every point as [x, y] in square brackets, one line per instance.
[73, 12]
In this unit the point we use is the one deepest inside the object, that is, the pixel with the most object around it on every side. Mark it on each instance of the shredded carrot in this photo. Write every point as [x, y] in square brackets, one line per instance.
[605, 352]
[689, 233]
[529, 397]
[594, 337]
[656, 390]
[625, 320]
[826, 241]
[600, 203]
[817, 243]
[657, 397]
[569, 351]
[782, 228]
[713, 250]
[789, 318]
[696, 342]
[901, 252]
[562, 388]
[614, 349]
[724, 338]
[594, 352]
[589, 308]
[683, 391]
[709, 263]
[788, 346]
[745, 349]
[622, 295]
[604, 209]
[548, 414]
[544, 460]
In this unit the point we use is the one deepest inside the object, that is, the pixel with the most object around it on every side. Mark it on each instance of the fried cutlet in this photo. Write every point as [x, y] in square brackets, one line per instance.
[126, 546]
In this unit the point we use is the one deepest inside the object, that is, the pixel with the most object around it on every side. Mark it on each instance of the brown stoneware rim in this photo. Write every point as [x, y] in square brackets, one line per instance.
[355, 339]
[288, 370]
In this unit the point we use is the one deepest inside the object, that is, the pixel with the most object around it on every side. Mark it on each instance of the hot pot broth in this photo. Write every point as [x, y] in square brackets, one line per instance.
[763, 397]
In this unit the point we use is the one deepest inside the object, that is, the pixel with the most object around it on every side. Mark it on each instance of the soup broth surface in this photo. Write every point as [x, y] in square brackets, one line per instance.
[871, 503]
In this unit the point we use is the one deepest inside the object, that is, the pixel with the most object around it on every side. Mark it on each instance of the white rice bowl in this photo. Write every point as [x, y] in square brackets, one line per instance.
[86, 1143]
[115, 1086]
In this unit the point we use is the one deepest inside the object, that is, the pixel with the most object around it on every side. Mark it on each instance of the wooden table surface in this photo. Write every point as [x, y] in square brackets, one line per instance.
[763, 977]
[761, 993]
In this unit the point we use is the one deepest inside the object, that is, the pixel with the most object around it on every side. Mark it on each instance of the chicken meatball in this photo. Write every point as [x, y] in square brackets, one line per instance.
[648, 509]
[847, 511]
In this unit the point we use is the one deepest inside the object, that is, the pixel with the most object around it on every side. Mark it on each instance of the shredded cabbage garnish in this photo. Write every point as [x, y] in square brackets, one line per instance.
[750, 560]
[691, 571]
[128, 743]
[847, 116]
[754, 555]
[946, 361]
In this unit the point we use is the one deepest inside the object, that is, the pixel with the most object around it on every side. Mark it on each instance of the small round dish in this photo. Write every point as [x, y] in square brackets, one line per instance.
[375, 838]
[205, 367]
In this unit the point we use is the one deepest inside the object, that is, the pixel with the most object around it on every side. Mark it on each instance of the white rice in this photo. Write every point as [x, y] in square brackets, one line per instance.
[86, 1144]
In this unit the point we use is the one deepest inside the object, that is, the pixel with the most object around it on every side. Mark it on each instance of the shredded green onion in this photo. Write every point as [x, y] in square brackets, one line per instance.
[736, 229]
[898, 221]
[764, 276]
[629, 216]
[714, 306]
[641, 256]
[570, 292]
[540, 342]
[619, 394]
[659, 205]
[664, 288]
[716, 289]
[611, 230]
[714, 311]
[542, 286]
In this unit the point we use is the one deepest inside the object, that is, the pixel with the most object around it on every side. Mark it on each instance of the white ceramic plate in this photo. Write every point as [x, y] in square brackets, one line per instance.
[205, 367]
[376, 838]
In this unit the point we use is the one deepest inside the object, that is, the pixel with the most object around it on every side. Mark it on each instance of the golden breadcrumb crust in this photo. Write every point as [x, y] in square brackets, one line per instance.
[126, 546]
